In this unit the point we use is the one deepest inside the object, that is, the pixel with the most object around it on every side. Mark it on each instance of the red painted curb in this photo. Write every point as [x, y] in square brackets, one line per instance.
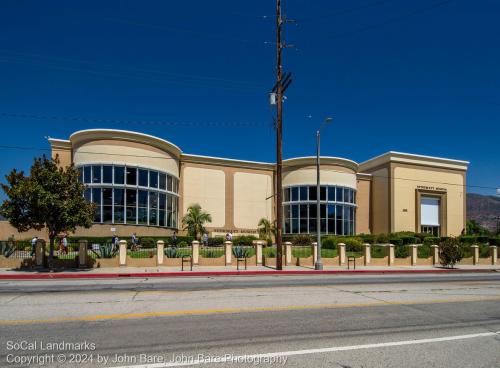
[65, 275]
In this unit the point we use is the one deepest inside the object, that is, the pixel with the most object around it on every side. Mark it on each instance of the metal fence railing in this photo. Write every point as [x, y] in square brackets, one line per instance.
[141, 252]
[269, 251]
[100, 251]
[69, 252]
[301, 251]
[243, 251]
[17, 249]
[178, 252]
[215, 251]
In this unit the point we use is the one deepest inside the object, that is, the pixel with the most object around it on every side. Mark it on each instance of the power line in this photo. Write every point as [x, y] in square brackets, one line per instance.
[28, 148]
[135, 122]
[126, 76]
[394, 19]
[128, 69]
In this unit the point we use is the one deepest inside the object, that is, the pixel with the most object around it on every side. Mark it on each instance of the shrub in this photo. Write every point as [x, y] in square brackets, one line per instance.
[330, 242]
[244, 240]
[218, 240]
[431, 240]
[468, 239]
[352, 244]
[401, 251]
[183, 244]
[377, 251]
[484, 251]
[148, 243]
[302, 240]
[450, 252]
[407, 240]
[396, 241]
[269, 252]
[368, 238]
[494, 241]
[424, 251]
[482, 239]
[211, 253]
[382, 239]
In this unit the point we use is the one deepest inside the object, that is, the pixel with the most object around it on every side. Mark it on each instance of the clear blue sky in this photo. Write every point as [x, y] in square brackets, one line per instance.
[413, 76]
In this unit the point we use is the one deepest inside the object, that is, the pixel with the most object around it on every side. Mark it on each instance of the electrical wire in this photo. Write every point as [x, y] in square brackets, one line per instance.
[135, 122]
[26, 148]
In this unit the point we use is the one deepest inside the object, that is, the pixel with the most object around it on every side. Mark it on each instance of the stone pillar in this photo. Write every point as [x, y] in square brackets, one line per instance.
[258, 251]
[288, 253]
[40, 253]
[123, 252]
[160, 252]
[367, 253]
[435, 254]
[413, 254]
[494, 254]
[475, 254]
[228, 250]
[342, 255]
[390, 254]
[82, 254]
[314, 252]
[195, 245]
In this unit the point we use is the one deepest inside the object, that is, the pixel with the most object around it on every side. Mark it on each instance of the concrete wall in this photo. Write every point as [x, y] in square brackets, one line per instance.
[363, 194]
[380, 213]
[330, 175]
[251, 199]
[431, 182]
[125, 152]
[207, 187]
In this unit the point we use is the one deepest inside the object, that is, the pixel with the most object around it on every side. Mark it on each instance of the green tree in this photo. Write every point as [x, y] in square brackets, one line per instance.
[194, 220]
[51, 197]
[474, 228]
[266, 229]
[450, 252]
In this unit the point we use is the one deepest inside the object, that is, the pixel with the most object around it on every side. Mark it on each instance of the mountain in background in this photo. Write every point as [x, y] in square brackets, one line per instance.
[483, 209]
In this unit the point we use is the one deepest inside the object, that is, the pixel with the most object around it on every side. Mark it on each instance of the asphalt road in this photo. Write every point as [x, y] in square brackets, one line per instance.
[229, 282]
[437, 323]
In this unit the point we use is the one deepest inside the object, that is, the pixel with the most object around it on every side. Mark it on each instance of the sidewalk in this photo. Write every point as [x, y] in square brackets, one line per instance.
[142, 272]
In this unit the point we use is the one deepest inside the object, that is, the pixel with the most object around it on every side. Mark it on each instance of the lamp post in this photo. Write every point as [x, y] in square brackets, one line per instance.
[319, 263]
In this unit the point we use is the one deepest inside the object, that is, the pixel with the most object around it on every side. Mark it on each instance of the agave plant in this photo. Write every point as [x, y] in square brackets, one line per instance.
[171, 252]
[240, 252]
[106, 251]
[6, 249]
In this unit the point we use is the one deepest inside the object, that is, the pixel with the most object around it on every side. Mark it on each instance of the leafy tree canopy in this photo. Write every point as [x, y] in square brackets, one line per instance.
[474, 228]
[50, 197]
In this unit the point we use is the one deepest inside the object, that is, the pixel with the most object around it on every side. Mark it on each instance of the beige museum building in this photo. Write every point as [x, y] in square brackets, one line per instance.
[144, 184]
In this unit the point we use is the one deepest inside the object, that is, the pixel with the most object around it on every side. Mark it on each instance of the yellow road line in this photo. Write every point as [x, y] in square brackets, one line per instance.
[103, 317]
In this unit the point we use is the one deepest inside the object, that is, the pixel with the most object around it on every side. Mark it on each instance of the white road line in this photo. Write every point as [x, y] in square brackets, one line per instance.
[222, 358]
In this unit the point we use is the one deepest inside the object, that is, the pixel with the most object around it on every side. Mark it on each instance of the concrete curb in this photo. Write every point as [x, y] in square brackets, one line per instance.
[116, 275]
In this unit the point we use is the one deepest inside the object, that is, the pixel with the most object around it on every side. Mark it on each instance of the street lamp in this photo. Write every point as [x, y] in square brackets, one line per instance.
[319, 264]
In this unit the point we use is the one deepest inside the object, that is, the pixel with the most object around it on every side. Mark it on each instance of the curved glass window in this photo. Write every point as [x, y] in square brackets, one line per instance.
[337, 212]
[131, 195]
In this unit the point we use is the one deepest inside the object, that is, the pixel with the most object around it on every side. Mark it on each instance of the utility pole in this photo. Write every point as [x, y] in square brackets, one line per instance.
[279, 127]
[277, 95]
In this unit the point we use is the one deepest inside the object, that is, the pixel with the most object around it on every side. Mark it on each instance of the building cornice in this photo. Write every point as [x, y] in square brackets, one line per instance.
[59, 143]
[324, 160]
[210, 160]
[84, 136]
[413, 159]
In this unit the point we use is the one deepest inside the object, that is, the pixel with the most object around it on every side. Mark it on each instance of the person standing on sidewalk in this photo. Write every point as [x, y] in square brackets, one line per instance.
[33, 245]
[205, 240]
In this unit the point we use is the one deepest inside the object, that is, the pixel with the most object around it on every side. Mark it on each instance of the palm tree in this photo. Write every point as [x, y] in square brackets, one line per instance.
[266, 229]
[195, 219]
